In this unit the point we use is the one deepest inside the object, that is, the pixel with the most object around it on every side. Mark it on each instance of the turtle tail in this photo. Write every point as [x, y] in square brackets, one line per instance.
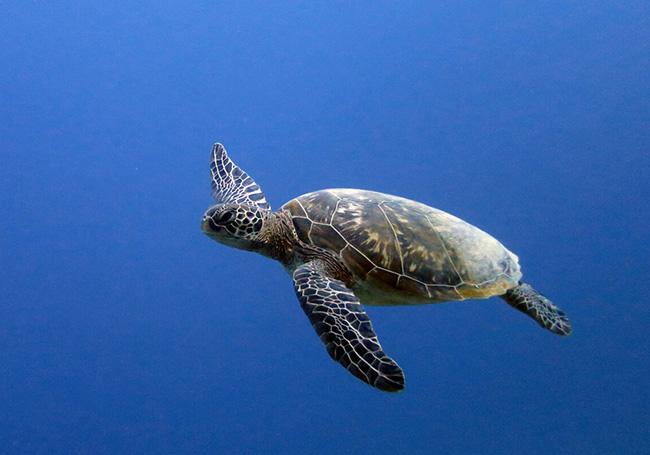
[527, 300]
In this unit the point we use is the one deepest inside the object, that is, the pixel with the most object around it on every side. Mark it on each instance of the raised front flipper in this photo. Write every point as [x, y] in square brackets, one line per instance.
[231, 185]
[344, 328]
[529, 301]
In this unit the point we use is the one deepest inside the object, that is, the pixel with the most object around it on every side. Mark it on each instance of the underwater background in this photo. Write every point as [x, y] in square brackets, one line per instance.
[124, 330]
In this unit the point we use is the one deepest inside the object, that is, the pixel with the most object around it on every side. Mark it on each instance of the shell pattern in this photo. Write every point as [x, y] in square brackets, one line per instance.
[401, 251]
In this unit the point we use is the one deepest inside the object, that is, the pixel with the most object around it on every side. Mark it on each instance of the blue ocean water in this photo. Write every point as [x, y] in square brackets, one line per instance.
[124, 330]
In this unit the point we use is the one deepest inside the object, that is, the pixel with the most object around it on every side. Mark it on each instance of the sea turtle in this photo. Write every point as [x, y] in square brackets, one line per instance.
[347, 247]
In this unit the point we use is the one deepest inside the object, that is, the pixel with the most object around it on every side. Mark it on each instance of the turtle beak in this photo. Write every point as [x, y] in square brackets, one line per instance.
[205, 222]
[205, 225]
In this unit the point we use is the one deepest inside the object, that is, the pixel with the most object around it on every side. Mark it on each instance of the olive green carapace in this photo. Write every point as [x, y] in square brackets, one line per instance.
[346, 248]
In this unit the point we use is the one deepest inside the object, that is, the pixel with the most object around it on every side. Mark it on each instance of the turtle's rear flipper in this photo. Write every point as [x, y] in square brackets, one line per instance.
[344, 328]
[529, 301]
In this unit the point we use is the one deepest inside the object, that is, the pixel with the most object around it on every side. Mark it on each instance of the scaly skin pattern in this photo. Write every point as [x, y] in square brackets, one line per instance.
[527, 300]
[232, 185]
[344, 328]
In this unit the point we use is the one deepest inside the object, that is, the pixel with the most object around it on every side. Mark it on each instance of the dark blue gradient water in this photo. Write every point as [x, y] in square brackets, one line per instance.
[124, 330]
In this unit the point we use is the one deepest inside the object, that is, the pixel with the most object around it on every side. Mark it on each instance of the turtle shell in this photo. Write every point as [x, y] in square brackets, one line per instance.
[401, 251]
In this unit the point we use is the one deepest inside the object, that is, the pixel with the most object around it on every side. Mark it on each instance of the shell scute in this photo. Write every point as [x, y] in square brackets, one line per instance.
[384, 278]
[302, 227]
[425, 255]
[411, 286]
[328, 237]
[363, 224]
[319, 206]
[356, 261]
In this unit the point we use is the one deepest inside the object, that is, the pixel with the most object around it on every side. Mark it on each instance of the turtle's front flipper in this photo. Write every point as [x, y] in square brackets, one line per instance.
[231, 185]
[344, 328]
[529, 301]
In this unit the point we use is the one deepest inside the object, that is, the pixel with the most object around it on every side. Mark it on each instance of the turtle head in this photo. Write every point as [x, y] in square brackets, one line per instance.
[236, 225]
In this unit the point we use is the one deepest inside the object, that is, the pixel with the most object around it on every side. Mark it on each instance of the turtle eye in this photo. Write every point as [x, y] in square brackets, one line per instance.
[224, 217]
